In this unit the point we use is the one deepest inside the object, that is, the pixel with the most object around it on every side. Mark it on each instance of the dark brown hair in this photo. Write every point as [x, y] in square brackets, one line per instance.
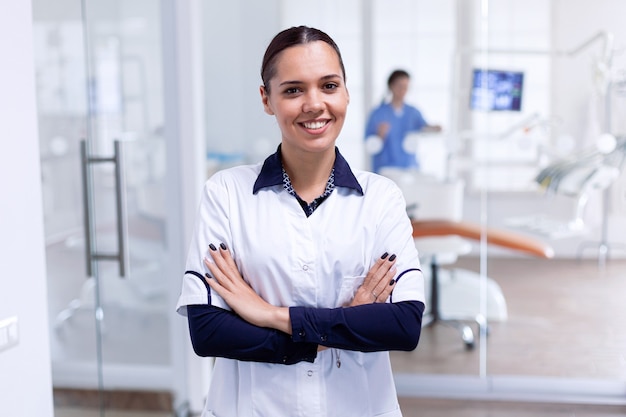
[399, 73]
[293, 36]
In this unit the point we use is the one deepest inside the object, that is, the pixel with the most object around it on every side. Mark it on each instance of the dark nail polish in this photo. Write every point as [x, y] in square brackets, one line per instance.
[392, 282]
[207, 275]
[212, 247]
[384, 255]
[392, 258]
[223, 246]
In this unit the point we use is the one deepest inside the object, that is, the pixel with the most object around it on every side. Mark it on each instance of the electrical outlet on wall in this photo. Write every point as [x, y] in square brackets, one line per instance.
[9, 334]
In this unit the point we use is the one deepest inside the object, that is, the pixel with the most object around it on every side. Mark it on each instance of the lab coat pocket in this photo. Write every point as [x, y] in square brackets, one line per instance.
[348, 288]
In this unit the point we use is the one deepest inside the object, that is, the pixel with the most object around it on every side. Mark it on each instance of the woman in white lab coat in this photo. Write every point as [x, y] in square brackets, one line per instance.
[302, 273]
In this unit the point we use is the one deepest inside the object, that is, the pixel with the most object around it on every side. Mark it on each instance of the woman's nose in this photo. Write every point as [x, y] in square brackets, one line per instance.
[312, 102]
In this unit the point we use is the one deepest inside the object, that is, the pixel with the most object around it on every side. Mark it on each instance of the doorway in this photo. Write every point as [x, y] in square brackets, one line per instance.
[99, 80]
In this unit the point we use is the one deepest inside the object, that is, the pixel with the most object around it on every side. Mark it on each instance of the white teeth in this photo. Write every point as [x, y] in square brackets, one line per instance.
[314, 125]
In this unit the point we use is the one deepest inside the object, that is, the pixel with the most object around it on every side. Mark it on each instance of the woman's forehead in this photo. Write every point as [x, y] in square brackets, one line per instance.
[313, 59]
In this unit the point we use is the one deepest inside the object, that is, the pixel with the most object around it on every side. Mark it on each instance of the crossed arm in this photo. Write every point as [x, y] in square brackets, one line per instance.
[257, 331]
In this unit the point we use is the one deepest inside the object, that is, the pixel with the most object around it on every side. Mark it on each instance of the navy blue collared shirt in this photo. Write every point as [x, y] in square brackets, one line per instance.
[272, 173]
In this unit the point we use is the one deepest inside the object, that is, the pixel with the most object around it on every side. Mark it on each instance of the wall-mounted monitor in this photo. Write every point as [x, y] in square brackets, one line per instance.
[496, 90]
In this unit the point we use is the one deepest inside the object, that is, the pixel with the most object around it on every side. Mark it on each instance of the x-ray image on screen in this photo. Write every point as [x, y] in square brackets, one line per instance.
[496, 90]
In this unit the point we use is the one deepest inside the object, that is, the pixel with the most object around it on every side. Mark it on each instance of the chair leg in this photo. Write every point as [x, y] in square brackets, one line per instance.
[434, 317]
[434, 289]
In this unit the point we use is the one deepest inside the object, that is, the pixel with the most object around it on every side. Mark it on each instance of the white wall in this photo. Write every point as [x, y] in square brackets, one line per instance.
[236, 34]
[25, 377]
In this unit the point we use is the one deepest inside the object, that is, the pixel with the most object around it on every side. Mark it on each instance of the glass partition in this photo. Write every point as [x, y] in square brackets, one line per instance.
[541, 162]
[100, 106]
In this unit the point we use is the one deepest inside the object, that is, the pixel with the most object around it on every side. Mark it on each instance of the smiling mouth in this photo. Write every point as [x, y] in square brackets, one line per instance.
[315, 125]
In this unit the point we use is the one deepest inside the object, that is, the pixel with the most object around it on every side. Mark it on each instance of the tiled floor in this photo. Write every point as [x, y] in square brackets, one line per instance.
[566, 318]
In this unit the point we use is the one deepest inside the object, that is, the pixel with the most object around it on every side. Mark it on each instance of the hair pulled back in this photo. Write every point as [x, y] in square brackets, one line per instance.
[297, 35]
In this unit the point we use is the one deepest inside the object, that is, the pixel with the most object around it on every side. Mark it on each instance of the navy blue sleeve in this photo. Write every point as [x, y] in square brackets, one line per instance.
[366, 328]
[221, 333]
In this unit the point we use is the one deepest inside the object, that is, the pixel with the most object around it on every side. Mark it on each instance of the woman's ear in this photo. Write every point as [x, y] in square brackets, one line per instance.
[266, 101]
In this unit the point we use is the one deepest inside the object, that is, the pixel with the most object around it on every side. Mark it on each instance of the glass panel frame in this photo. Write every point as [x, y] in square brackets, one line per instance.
[100, 79]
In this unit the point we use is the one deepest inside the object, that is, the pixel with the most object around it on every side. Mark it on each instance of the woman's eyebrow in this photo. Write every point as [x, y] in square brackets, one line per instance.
[324, 78]
[289, 83]
[330, 77]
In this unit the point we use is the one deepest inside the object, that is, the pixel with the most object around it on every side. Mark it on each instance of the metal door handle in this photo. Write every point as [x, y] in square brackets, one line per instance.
[120, 207]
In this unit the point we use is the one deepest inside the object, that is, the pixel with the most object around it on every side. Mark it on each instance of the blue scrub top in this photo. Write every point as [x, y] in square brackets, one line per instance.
[409, 119]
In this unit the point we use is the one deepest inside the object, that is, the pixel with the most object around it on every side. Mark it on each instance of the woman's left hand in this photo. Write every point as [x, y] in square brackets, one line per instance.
[379, 282]
[227, 281]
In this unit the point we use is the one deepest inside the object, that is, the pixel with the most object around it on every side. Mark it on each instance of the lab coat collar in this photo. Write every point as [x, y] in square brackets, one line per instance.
[272, 173]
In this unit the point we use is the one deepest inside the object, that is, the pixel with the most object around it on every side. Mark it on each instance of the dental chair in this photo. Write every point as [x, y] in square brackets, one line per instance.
[436, 209]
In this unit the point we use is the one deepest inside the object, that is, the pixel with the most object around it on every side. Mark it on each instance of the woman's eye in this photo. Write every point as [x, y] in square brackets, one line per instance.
[330, 86]
[292, 90]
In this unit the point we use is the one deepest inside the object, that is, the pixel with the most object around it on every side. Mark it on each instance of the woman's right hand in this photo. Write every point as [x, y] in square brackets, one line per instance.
[378, 283]
[226, 280]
